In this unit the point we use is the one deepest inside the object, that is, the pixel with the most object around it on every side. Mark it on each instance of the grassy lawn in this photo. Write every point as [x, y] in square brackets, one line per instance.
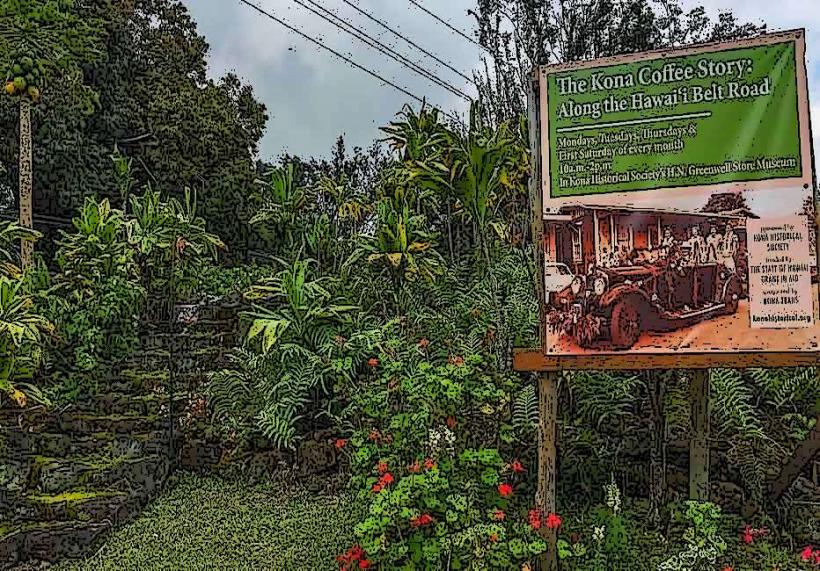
[210, 523]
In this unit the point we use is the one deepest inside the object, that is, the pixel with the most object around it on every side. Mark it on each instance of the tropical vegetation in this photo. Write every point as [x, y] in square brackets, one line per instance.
[382, 292]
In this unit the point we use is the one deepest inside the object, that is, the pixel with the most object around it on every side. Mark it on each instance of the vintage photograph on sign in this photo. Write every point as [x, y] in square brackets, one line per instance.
[677, 201]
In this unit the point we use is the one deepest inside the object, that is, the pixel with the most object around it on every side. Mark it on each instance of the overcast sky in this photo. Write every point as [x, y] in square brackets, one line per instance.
[312, 97]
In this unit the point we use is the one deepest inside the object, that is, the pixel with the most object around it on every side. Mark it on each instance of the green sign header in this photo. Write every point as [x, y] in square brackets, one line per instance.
[713, 117]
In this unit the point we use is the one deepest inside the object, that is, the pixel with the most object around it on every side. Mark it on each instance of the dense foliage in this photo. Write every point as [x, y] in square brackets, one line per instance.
[390, 288]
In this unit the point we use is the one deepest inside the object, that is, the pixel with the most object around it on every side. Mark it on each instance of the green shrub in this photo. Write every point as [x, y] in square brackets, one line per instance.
[95, 299]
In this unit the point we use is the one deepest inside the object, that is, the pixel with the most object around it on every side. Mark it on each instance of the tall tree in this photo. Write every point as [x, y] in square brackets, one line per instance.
[158, 106]
[519, 34]
[40, 40]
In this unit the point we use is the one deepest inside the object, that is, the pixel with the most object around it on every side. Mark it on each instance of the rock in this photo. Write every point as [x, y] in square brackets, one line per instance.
[727, 495]
[316, 455]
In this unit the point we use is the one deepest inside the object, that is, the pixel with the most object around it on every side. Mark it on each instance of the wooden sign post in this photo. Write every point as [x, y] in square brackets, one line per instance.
[647, 218]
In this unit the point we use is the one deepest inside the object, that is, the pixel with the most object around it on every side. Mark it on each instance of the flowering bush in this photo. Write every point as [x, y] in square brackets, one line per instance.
[425, 424]
[435, 514]
[703, 542]
[613, 536]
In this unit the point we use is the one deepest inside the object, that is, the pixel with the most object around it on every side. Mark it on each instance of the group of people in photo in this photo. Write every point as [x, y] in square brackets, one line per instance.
[719, 245]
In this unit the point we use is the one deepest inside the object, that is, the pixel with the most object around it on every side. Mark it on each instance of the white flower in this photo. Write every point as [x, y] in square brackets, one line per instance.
[613, 496]
[441, 438]
[598, 533]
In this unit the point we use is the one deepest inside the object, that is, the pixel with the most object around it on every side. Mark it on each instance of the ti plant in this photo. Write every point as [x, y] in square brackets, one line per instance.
[20, 342]
[289, 361]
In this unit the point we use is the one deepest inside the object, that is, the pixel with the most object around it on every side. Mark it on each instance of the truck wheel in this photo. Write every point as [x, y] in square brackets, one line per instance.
[732, 297]
[625, 327]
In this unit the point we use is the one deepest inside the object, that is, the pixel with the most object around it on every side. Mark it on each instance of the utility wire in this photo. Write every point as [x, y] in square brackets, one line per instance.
[341, 56]
[445, 22]
[387, 27]
[363, 37]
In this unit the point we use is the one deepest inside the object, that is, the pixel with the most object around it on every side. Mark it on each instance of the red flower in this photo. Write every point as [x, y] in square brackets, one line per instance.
[729, 568]
[534, 517]
[517, 467]
[553, 521]
[505, 490]
[373, 362]
[340, 443]
[348, 559]
[807, 553]
[429, 464]
[382, 467]
[377, 488]
[451, 422]
[374, 435]
[421, 520]
[499, 515]
[424, 342]
[386, 479]
[493, 538]
[748, 537]
[414, 468]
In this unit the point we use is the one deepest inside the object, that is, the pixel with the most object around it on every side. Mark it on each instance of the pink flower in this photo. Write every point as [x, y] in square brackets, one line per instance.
[807, 554]
[553, 521]
[534, 517]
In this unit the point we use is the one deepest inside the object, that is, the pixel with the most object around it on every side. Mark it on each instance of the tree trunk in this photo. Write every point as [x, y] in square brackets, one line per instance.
[547, 464]
[699, 440]
[450, 229]
[25, 182]
[657, 453]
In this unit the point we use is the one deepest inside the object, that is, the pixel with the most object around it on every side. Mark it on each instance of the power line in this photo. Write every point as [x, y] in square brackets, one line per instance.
[387, 27]
[445, 22]
[363, 37]
[341, 56]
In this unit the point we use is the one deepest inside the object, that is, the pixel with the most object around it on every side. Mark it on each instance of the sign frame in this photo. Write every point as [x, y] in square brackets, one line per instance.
[542, 359]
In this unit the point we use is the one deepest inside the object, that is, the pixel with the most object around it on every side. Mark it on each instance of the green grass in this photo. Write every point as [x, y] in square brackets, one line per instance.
[210, 523]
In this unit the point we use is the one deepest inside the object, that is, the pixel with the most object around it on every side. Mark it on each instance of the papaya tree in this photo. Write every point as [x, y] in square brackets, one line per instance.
[40, 40]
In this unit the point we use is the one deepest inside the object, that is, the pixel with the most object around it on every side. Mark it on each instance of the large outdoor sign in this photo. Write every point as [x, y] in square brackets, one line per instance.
[677, 201]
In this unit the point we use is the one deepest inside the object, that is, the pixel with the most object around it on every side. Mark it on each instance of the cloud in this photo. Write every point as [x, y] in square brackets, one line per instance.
[311, 95]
